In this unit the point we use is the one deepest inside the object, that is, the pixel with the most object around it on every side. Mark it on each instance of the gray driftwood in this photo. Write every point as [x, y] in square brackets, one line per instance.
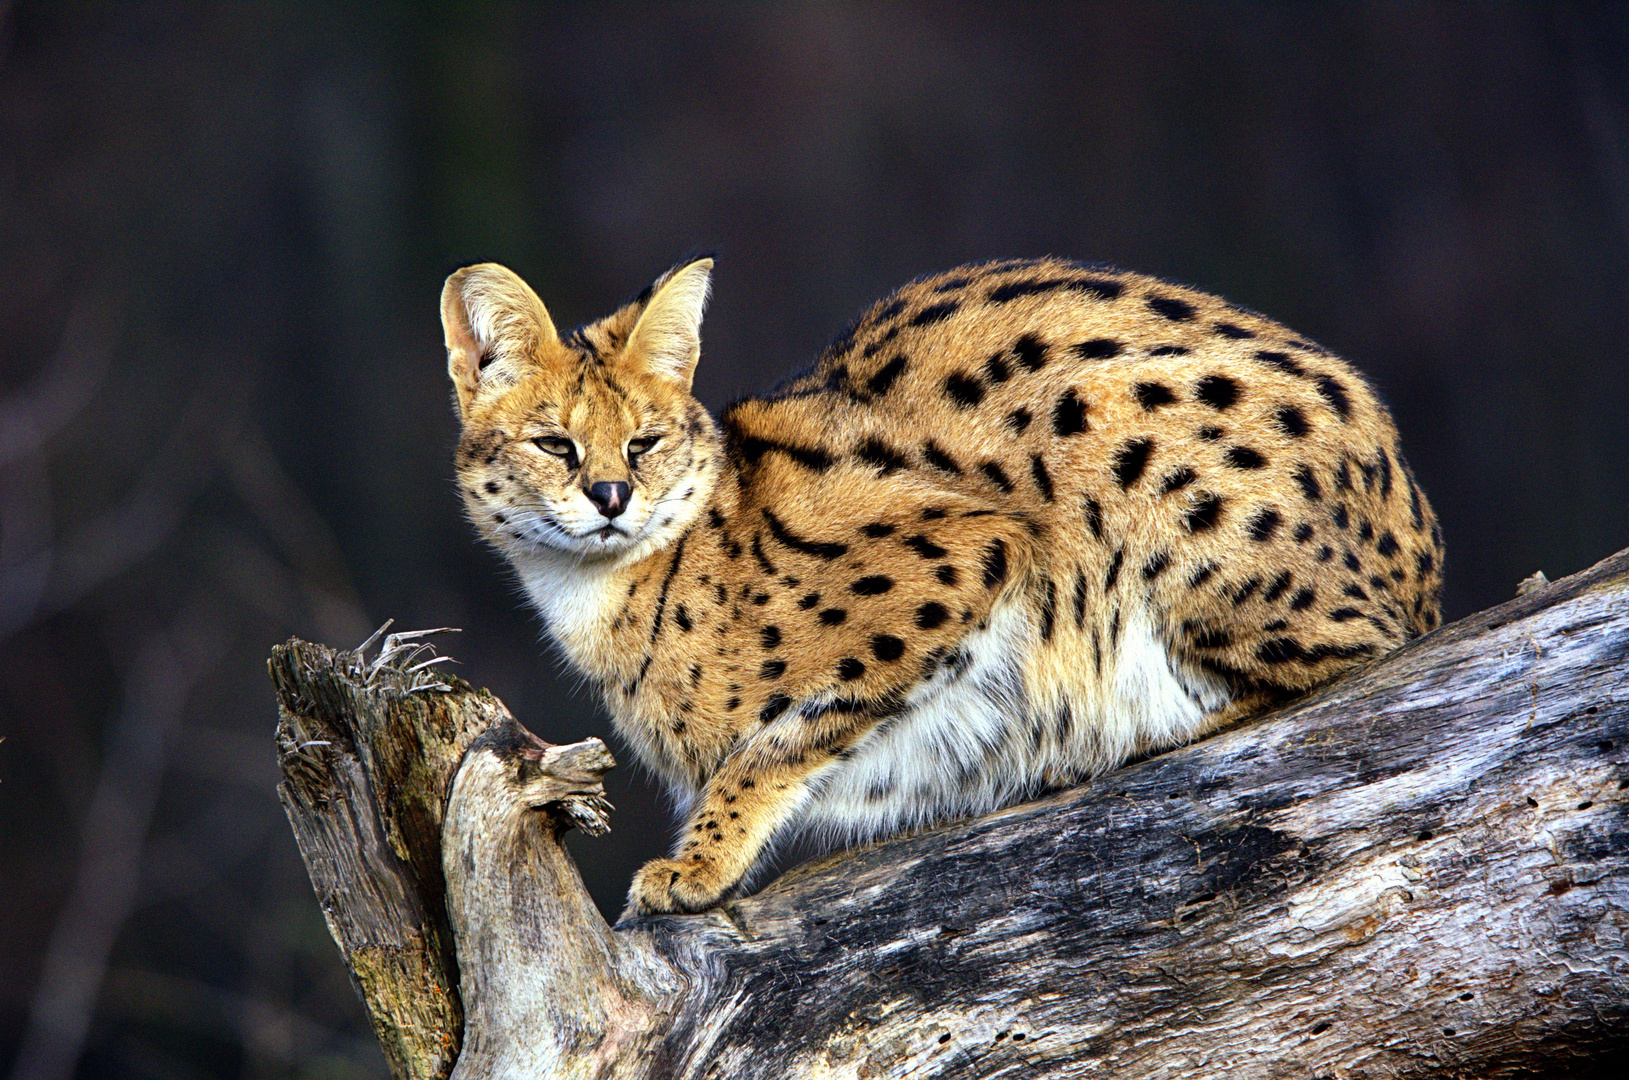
[1422, 870]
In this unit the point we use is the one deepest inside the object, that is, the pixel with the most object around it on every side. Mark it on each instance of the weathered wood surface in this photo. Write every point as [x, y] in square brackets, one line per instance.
[366, 762]
[1421, 871]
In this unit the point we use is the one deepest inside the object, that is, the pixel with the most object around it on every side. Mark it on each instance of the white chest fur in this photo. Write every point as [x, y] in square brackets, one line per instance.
[576, 600]
[991, 728]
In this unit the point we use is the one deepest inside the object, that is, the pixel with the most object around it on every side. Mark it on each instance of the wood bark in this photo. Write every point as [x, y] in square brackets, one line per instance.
[1421, 870]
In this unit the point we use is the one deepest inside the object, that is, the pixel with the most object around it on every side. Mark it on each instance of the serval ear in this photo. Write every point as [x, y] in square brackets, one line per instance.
[666, 341]
[495, 326]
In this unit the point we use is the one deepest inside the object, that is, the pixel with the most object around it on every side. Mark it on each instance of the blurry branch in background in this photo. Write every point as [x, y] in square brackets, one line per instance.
[157, 681]
[316, 571]
[28, 419]
[268, 551]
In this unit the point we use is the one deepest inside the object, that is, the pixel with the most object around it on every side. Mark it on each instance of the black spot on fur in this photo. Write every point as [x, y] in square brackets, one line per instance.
[878, 453]
[940, 460]
[809, 601]
[1093, 511]
[1151, 395]
[1130, 461]
[1423, 563]
[1069, 415]
[930, 615]
[1155, 565]
[772, 669]
[1113, 574]
[849, 669]
[996, 370]
[1292, 422]
[932, 513]
[1302, 599]
[1281, 361]
[1211, 434]
[1098, 349]
[769, 637]
[1343, 476]
[1049, 610]
[1228, 330]
[1388, 545]
[1303, 532]
[1276, 588]
[1345, 614]
[964, 390]
[1171, 308]
[947, 575]
[877, 530]
[773, 708]
[833, 616]
[887, 375]
[1177, 479]
[1246, 591]
[1352, 562]
[1080, 597]
[925, 547]
[1201, 575]
[1334, 393]
[872, 585]
[1043, 479]
[753, 449]
[1339, 516]
[995, 563]
[682, 618]
[1018, 420]
[890, 311]
[936, 313]
[788, 539]
[1169, 350]
[1309, 484]
[1205, 513]
[1210, 637]
[759, 556]
[1243, 457]
[1279, 651]
[1031, 352]
[887, 647]
[993, 472]
[1099, 288]
[1264, 525]
[1217, 391]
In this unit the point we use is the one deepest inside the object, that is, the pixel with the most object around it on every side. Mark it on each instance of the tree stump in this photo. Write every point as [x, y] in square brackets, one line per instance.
[1421, 870]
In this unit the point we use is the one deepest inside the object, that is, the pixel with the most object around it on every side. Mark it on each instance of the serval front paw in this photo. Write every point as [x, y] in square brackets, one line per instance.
[670, 886]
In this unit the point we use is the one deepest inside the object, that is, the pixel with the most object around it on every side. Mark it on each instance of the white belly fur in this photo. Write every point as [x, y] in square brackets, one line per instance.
[994, 734]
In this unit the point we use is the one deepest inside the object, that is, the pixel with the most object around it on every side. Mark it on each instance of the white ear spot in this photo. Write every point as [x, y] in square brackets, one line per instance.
[667, 338]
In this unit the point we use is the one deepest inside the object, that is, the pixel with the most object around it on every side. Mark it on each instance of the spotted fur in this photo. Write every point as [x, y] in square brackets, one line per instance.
[1022, 521]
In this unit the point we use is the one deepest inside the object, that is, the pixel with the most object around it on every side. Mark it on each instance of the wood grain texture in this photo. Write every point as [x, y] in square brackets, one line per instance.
[1422, 870]
[366, 764]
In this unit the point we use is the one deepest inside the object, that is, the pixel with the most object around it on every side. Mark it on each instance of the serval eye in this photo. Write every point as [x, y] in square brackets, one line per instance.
[640, 445]
[557, 447]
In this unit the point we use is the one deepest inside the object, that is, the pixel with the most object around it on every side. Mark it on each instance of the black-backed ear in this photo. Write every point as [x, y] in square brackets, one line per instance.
[666, 341]
[494, 324]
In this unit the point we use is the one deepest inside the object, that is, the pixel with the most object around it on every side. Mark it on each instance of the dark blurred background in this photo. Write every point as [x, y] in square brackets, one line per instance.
[224, 418]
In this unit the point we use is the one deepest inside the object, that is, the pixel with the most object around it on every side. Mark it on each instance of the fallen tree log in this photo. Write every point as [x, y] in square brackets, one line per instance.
[1422, 870]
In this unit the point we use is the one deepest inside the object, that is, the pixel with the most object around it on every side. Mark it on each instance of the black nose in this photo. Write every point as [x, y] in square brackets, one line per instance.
[611, 496]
